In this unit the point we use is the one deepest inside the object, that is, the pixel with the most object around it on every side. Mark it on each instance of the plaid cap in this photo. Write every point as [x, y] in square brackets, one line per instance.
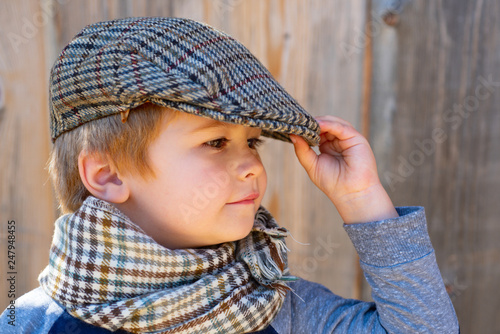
[111, 67]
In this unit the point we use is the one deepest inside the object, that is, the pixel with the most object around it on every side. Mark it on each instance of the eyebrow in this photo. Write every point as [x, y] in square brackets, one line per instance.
[210, 124]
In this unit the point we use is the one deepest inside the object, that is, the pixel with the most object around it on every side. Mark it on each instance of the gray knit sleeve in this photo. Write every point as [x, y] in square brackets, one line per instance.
[398, 262]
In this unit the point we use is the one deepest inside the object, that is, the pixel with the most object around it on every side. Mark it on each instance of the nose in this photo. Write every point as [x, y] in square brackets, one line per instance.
[248, 165]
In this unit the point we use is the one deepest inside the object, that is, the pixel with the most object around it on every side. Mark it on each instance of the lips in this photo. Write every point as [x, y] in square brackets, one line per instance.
[249, 199]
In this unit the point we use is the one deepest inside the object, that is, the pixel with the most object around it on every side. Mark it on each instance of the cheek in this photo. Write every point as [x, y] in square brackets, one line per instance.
[215, 183]
[204, 182]
[174, 183]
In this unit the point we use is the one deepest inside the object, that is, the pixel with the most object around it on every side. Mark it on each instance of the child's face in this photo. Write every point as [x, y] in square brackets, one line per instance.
[205, 170]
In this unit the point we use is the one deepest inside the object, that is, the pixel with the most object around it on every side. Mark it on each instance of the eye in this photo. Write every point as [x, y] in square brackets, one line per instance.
[217, 144]
[254, 143]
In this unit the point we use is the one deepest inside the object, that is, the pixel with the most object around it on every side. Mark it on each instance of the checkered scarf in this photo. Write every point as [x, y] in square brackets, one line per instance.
[107, 272]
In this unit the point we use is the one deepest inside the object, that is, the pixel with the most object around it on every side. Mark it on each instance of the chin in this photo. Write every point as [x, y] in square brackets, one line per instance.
[240, 231]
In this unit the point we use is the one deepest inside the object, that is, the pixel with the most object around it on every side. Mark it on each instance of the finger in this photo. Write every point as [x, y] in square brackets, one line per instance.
[331, 147]
[307, 157]
[332, 128]
[331, 118]
[326, 137]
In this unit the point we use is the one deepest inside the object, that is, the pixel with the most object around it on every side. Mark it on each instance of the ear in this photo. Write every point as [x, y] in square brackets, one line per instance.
[101, 178]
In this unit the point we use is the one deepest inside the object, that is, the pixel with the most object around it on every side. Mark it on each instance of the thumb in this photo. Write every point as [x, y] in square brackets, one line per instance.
[307, 157]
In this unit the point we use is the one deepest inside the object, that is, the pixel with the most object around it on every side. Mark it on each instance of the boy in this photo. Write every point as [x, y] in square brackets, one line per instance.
[145, 112]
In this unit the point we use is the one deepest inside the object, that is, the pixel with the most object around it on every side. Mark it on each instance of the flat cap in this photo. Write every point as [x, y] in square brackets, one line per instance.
[114, 66]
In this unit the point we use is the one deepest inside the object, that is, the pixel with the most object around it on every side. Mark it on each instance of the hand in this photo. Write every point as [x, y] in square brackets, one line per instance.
[346, 171]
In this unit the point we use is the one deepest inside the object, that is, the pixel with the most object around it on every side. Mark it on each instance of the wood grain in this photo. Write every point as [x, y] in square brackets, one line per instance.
[438, 58]
[25, 193]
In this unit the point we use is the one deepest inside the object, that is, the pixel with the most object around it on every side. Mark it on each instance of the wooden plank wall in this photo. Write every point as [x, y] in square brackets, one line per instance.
[433, 59]
[25, 192]
[436, 130]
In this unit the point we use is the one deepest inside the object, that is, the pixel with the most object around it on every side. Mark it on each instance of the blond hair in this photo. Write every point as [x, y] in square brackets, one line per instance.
[124, 145]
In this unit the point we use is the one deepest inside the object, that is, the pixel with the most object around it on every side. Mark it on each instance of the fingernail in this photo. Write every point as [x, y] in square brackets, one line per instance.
[293, 139]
